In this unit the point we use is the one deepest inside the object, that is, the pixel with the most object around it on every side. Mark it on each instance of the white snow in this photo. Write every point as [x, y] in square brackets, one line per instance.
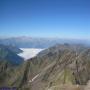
[29, 52]
[34, 78]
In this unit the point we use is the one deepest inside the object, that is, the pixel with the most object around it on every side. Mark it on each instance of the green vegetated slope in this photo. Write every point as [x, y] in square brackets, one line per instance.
[52, 68]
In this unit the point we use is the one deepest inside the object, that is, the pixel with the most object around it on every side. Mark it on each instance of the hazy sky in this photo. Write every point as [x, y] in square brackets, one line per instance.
[45, 18]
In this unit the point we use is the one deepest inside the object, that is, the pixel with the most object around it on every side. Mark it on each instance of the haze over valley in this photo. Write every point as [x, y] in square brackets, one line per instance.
[29, 52]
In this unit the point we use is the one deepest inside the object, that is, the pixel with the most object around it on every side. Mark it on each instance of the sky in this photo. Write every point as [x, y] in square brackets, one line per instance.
[45, 18]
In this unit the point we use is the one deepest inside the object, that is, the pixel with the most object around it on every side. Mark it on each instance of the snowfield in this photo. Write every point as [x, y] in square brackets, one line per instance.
[29, 52]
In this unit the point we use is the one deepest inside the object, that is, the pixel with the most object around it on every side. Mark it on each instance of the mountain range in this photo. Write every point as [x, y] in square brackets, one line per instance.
[60, 67]
[34, 42]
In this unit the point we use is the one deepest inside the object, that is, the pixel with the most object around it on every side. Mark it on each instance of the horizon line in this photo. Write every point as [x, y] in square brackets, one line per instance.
[28, 36]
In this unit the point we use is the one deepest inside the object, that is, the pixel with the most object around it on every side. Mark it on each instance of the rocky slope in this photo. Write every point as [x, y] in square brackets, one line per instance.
[53, 69]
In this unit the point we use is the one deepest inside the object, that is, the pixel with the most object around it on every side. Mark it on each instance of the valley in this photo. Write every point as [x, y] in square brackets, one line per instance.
[29, 52]
[44, 44]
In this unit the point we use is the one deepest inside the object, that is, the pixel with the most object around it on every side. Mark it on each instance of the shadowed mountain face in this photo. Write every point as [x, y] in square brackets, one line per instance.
[9, 54]
[11, 48]
[50, 69]
[9, 60]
